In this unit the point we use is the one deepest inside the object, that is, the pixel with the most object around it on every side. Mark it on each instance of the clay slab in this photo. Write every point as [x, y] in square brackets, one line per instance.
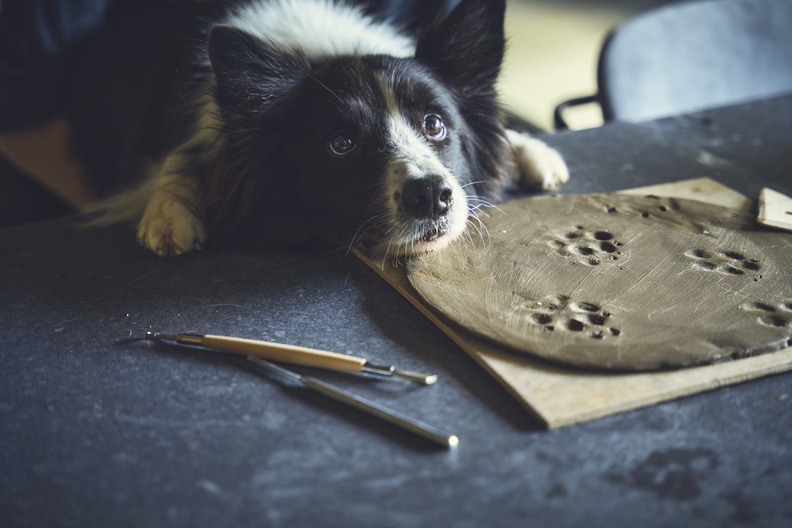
[617, 282]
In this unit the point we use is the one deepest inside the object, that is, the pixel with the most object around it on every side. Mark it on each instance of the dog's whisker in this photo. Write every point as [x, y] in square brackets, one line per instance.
[466, 235]
[479, 226]
[391, 240]
[469, 232]
[473, 183]
[326, 88]
[484, 203]
[374, 219]
[480, 200]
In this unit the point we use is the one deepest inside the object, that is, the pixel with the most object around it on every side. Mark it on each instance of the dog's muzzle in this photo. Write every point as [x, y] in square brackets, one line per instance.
[427, 211]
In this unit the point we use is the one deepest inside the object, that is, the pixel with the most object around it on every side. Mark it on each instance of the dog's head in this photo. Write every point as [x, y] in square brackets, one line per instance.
[378, 151]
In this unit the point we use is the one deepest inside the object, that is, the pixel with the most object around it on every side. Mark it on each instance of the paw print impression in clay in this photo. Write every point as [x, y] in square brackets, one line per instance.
[591, 247]
[777, 315]
[557, 313]
[725, 261]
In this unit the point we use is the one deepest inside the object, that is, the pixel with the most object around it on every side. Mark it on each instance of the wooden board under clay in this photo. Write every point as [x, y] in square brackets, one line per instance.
[775, 209]
[618, 282]
[558, 396]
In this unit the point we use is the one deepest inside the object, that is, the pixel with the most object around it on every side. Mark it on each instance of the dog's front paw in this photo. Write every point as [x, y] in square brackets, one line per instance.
[170, 228]
[539, 165]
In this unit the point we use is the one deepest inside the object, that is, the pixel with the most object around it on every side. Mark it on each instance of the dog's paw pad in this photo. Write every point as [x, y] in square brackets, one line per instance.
[170, 228]
[539, 165]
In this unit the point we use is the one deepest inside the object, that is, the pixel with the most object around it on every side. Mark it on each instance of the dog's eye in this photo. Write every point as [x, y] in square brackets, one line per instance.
[341, 143]
[434, 127]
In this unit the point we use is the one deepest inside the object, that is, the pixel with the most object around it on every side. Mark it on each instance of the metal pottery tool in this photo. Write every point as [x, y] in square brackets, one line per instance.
[389, 415]
[292, 354]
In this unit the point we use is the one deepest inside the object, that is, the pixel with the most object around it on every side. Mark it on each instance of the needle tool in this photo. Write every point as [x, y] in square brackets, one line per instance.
[292, 354]
[411, 424]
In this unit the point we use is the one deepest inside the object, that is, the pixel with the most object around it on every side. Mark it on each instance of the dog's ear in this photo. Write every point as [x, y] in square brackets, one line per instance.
[466, 47]
[252, 75]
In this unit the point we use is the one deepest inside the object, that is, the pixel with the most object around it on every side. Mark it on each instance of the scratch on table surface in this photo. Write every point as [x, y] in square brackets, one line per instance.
[60, 326]
[210, 486]
[142, 277]
[190, 423]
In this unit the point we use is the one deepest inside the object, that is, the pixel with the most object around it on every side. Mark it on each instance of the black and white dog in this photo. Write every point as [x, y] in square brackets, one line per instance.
[307, 120]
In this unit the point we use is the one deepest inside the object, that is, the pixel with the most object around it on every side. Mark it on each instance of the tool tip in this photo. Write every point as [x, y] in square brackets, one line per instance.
[420, 377]
[453, 441]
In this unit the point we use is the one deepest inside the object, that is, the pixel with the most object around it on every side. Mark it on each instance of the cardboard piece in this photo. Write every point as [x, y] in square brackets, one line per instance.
[560, 396]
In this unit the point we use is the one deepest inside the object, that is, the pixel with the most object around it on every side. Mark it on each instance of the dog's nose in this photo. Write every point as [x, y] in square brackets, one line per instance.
[427, 197]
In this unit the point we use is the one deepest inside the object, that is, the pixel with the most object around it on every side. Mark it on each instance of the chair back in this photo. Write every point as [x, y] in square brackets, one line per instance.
[686, 57]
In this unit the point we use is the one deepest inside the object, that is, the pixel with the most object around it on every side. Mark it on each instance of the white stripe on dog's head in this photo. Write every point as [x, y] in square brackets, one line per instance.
[411, 148]
[413, 157]
[321, 28]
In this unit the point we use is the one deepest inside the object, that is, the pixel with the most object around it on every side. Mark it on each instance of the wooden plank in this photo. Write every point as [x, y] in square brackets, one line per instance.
[704, 190]
[559, 396]
[562, 397]
[775, 209]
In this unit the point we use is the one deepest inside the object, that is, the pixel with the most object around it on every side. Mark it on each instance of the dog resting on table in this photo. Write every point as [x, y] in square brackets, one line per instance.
[308, 122]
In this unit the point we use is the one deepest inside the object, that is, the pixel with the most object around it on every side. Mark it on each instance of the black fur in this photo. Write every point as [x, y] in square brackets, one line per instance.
[130, 89]
[269, 179]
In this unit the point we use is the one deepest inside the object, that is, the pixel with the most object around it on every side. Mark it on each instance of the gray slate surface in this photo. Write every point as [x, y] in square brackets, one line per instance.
[98, 434]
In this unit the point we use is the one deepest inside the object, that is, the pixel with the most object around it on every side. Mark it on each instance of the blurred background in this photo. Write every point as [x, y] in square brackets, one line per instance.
[552, 52]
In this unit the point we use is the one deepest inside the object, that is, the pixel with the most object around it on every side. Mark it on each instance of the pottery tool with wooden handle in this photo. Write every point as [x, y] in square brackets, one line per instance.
[292, 354]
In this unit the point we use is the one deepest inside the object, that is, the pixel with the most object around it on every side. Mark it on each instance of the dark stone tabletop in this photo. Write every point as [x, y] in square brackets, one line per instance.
[95, 433]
